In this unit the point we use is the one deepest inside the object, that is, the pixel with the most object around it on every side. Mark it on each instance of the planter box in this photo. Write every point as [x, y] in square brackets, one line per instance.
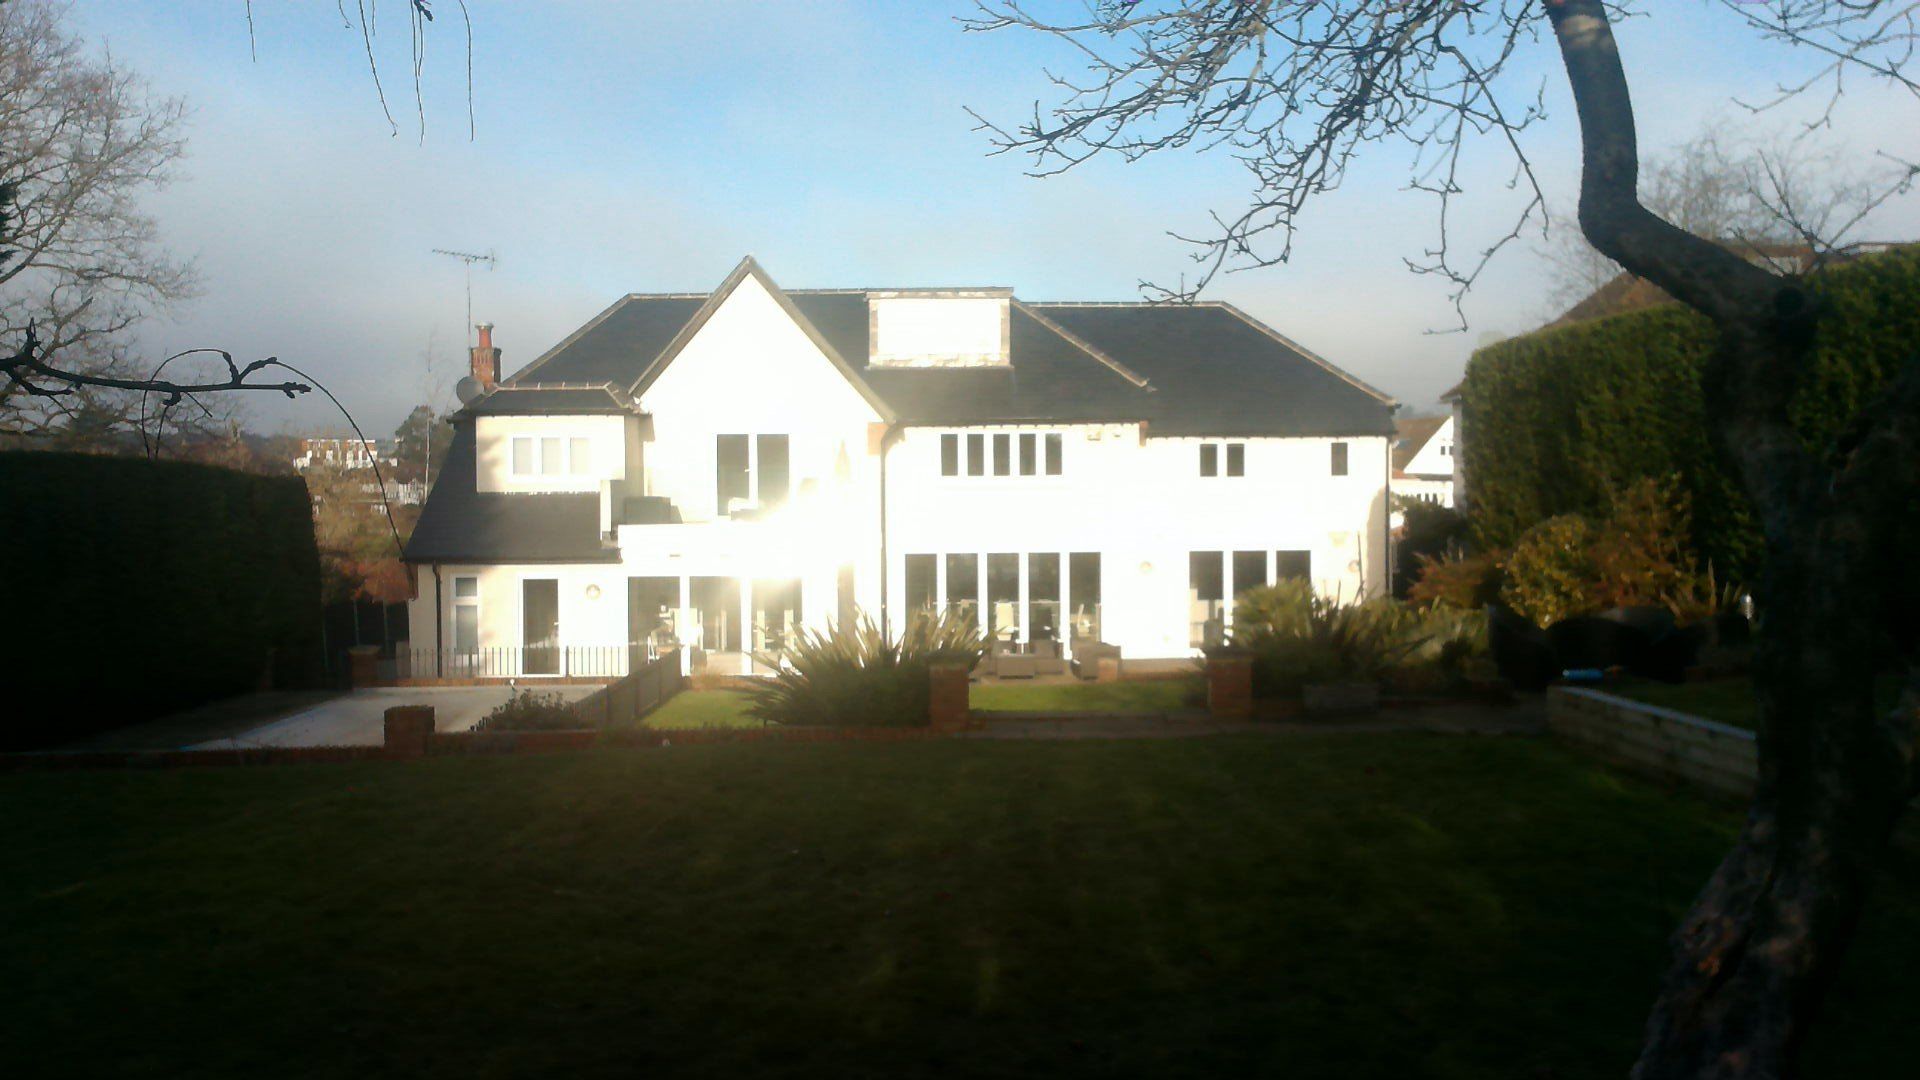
[1325, 699]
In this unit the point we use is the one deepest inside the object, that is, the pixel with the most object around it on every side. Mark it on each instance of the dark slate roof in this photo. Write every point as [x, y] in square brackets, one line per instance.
[617, 344]
[460, 524]
[546, 399]
[1205, 369]
[1217, 372]
[1410, 434]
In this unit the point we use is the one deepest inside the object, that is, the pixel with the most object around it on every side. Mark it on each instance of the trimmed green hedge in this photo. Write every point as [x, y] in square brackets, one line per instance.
[139, 588]
[1557, 417]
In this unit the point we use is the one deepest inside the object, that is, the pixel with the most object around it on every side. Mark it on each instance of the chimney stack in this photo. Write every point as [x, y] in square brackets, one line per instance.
[486, 358]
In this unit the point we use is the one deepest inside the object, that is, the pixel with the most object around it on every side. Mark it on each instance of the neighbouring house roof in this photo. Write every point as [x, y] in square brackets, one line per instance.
[1410, 436]
[552, 399]
[1625, 292]
[462, 524]
[1202, 369]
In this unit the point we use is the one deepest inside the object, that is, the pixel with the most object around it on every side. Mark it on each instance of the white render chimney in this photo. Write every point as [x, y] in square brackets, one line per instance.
[937, 328]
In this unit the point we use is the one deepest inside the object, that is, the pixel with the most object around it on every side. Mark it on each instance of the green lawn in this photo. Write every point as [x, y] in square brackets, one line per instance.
[1305, 906]
[1155, 696]
[1729, 701]
[703, 709]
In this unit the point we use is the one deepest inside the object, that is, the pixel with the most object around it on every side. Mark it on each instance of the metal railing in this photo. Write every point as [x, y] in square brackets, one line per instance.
[519, 661]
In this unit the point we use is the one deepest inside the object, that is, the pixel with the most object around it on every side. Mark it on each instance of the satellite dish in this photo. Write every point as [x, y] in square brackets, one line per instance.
[469, 390]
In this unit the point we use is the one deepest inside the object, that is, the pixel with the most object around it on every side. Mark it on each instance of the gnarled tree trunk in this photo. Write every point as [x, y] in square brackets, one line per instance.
[1767, 932]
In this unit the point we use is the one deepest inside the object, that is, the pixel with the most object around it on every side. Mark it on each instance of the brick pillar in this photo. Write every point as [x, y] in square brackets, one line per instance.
[363, 665]
[408, 729]
[1229, 683]
[947, 705]
[1107, 667]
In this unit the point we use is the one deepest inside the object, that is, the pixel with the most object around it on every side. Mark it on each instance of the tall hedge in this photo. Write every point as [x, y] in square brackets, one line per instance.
[1557, 418]
[139, 588]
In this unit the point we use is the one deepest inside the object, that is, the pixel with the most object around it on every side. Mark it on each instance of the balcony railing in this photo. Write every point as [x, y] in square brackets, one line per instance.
[518, 661]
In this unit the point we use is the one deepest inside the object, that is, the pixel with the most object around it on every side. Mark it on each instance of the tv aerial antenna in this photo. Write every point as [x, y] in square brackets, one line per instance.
[470, 259]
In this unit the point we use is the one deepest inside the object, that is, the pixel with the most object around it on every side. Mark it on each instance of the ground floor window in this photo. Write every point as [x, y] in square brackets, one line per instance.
[466, 615]
[1043, 596]
[1083, 592]
[1003, 595]
[963, 584]
[1293, 565]
[540, 626]
[1206, 598]
[923, 583]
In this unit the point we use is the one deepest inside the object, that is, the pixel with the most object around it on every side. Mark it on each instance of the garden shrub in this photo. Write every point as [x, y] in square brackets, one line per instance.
[853, 676]
[1465, 582]
[526, 710]
[1299, 638]
[1428, 531]
[1550, 574]
[138, 588]
[1636, 556]
[1558, 419]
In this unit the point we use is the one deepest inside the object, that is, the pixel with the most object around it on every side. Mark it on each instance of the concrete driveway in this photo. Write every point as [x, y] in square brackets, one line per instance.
[356, 719]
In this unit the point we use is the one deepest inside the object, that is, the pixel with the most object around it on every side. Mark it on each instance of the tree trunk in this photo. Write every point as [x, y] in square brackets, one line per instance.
[1766, 934]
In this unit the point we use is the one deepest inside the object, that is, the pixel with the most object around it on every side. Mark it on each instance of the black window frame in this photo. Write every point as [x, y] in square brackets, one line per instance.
[1236, 459]
[1054, 453]
[1339, 460]
[1209, 459]
[950, 453]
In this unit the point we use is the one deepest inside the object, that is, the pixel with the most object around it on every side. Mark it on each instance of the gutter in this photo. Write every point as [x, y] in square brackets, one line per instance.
[439, 628]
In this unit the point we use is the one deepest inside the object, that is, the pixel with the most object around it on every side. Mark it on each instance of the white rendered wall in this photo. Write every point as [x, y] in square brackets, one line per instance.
[1143, 505]
[493, 447]
[752, 371]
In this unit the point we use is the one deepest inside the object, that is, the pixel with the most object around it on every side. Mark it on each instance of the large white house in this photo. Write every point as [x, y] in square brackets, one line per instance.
[722, 469]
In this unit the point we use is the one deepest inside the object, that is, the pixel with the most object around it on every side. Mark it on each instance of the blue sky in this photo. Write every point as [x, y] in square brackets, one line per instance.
[635, 146]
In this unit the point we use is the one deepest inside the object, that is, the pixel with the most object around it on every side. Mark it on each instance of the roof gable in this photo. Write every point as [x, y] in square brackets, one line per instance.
[749, 269]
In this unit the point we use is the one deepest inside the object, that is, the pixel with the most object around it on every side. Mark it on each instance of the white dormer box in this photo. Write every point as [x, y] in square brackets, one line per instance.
[939, 328]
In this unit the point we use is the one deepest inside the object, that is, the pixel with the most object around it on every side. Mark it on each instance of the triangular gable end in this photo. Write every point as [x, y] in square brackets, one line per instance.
[750, 268]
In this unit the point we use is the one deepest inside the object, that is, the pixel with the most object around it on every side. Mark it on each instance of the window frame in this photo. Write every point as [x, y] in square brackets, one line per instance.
[966, 454]
[465, 603]
[1340, 461]
[535, 446]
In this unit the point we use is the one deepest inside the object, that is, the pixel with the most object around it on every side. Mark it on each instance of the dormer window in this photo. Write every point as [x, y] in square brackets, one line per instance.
[551, 455]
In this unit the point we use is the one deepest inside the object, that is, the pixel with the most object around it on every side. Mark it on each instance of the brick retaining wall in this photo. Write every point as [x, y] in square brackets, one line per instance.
[1672, 745]
[1661, 741]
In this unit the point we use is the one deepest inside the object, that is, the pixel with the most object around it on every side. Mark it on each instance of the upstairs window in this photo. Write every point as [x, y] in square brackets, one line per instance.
[1339, 459]
[550, 455]
[750, 470]
[1002, 453]
[1223, 459]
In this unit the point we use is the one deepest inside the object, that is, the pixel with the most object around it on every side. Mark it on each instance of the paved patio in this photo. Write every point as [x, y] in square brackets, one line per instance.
[356, 719]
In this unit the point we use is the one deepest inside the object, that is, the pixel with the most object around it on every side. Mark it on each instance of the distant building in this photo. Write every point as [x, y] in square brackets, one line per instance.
[344, 454]
[1423, 459]
[334, 452]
